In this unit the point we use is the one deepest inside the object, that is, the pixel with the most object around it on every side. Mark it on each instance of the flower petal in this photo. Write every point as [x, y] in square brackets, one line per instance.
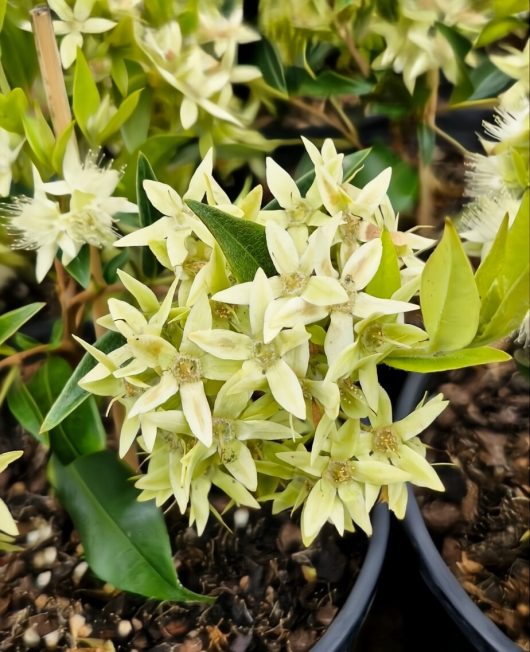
[223, 344]
[197, 411]
[286, 389]
[324, 291]
[317, 509]
[155, 396]
[416, 422]
[363, 263]
[281, 184]
[281, 248]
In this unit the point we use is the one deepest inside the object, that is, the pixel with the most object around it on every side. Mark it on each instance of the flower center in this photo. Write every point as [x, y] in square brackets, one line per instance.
[299, 212]
[265, 354]
[350, 228]
[186, 369]
[340, 471]
[385, 441]
[293, 283]
[372, 337]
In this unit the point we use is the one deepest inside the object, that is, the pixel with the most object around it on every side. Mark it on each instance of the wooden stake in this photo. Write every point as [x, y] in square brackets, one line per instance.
[51, 69]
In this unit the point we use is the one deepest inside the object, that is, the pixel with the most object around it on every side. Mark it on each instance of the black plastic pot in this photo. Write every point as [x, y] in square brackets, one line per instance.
[348, 622]
[479, 630]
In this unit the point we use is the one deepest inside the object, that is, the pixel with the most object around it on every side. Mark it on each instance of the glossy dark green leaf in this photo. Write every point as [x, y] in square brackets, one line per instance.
[80, 433]
[487, 81]
[125, 541]
[25, 409]
[71, 395]
[269, 62]
[327, 84]
[147, 213]
[403, 190]
[79, 268]
[111, 267]
[11, 321]
[243, 243]
[447, 361]
[350, 163]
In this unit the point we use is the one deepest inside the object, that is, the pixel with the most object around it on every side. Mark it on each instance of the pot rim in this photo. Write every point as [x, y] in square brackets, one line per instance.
[477, 627]
[353, 612]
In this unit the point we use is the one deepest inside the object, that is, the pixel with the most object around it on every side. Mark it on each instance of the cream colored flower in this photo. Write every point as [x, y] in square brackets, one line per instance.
[10, 146]
[7, 524]
[74, 22]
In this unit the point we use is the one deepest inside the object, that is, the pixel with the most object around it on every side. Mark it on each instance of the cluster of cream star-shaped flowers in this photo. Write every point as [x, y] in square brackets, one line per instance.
[268, 389]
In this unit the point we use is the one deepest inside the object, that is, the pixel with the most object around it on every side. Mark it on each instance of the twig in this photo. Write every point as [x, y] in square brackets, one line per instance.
[361, 62]
[15, 358]
[51, 69]
[443, 134]
[350, 137]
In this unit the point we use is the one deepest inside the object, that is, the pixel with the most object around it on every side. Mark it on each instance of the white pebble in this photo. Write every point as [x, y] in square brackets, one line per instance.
[34, 537]
[31, 637]
[45, 558]
[43, 579]
[79, 571]
[52, 639]
[124, 628]
[241, 517]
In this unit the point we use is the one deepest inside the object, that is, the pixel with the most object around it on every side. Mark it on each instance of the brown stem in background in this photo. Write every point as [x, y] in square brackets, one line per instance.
[350, 136]
[51, 69]
[425, 214]
[347, 37]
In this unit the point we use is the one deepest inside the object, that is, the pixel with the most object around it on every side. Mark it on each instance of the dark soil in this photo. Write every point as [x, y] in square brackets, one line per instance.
[272, 594]
[482, 520]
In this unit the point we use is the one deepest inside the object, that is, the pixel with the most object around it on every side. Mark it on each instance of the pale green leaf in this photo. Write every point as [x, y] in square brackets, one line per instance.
[86, 98]
[449, 298]
[446, 361]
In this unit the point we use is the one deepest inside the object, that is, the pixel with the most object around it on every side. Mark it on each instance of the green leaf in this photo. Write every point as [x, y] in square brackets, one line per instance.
[350, 164]
[449, 298]
[81, 432]
[12, 107]
[518, 242]
[497, 29]
[11, 321]
[79, 268]
[426, 141]
[242, 242]
[269, 62]
[40, 137]
[119, 75]
[60, 148]
[124, 112]
[71, 395]
[111, 267]
[327, 84]
[147, 213]
[3, 7]
[403, 190]
[487, 81]
[86, 98]
[125, 541]
[387, 279]
[447, 361]
[26, 410]
[513, 307]
[136, 129]
[490, 268]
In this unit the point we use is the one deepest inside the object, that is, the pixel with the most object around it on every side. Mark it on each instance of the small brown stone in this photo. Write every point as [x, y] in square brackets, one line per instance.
[302, 640]
[325, 614]
[440, 516]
